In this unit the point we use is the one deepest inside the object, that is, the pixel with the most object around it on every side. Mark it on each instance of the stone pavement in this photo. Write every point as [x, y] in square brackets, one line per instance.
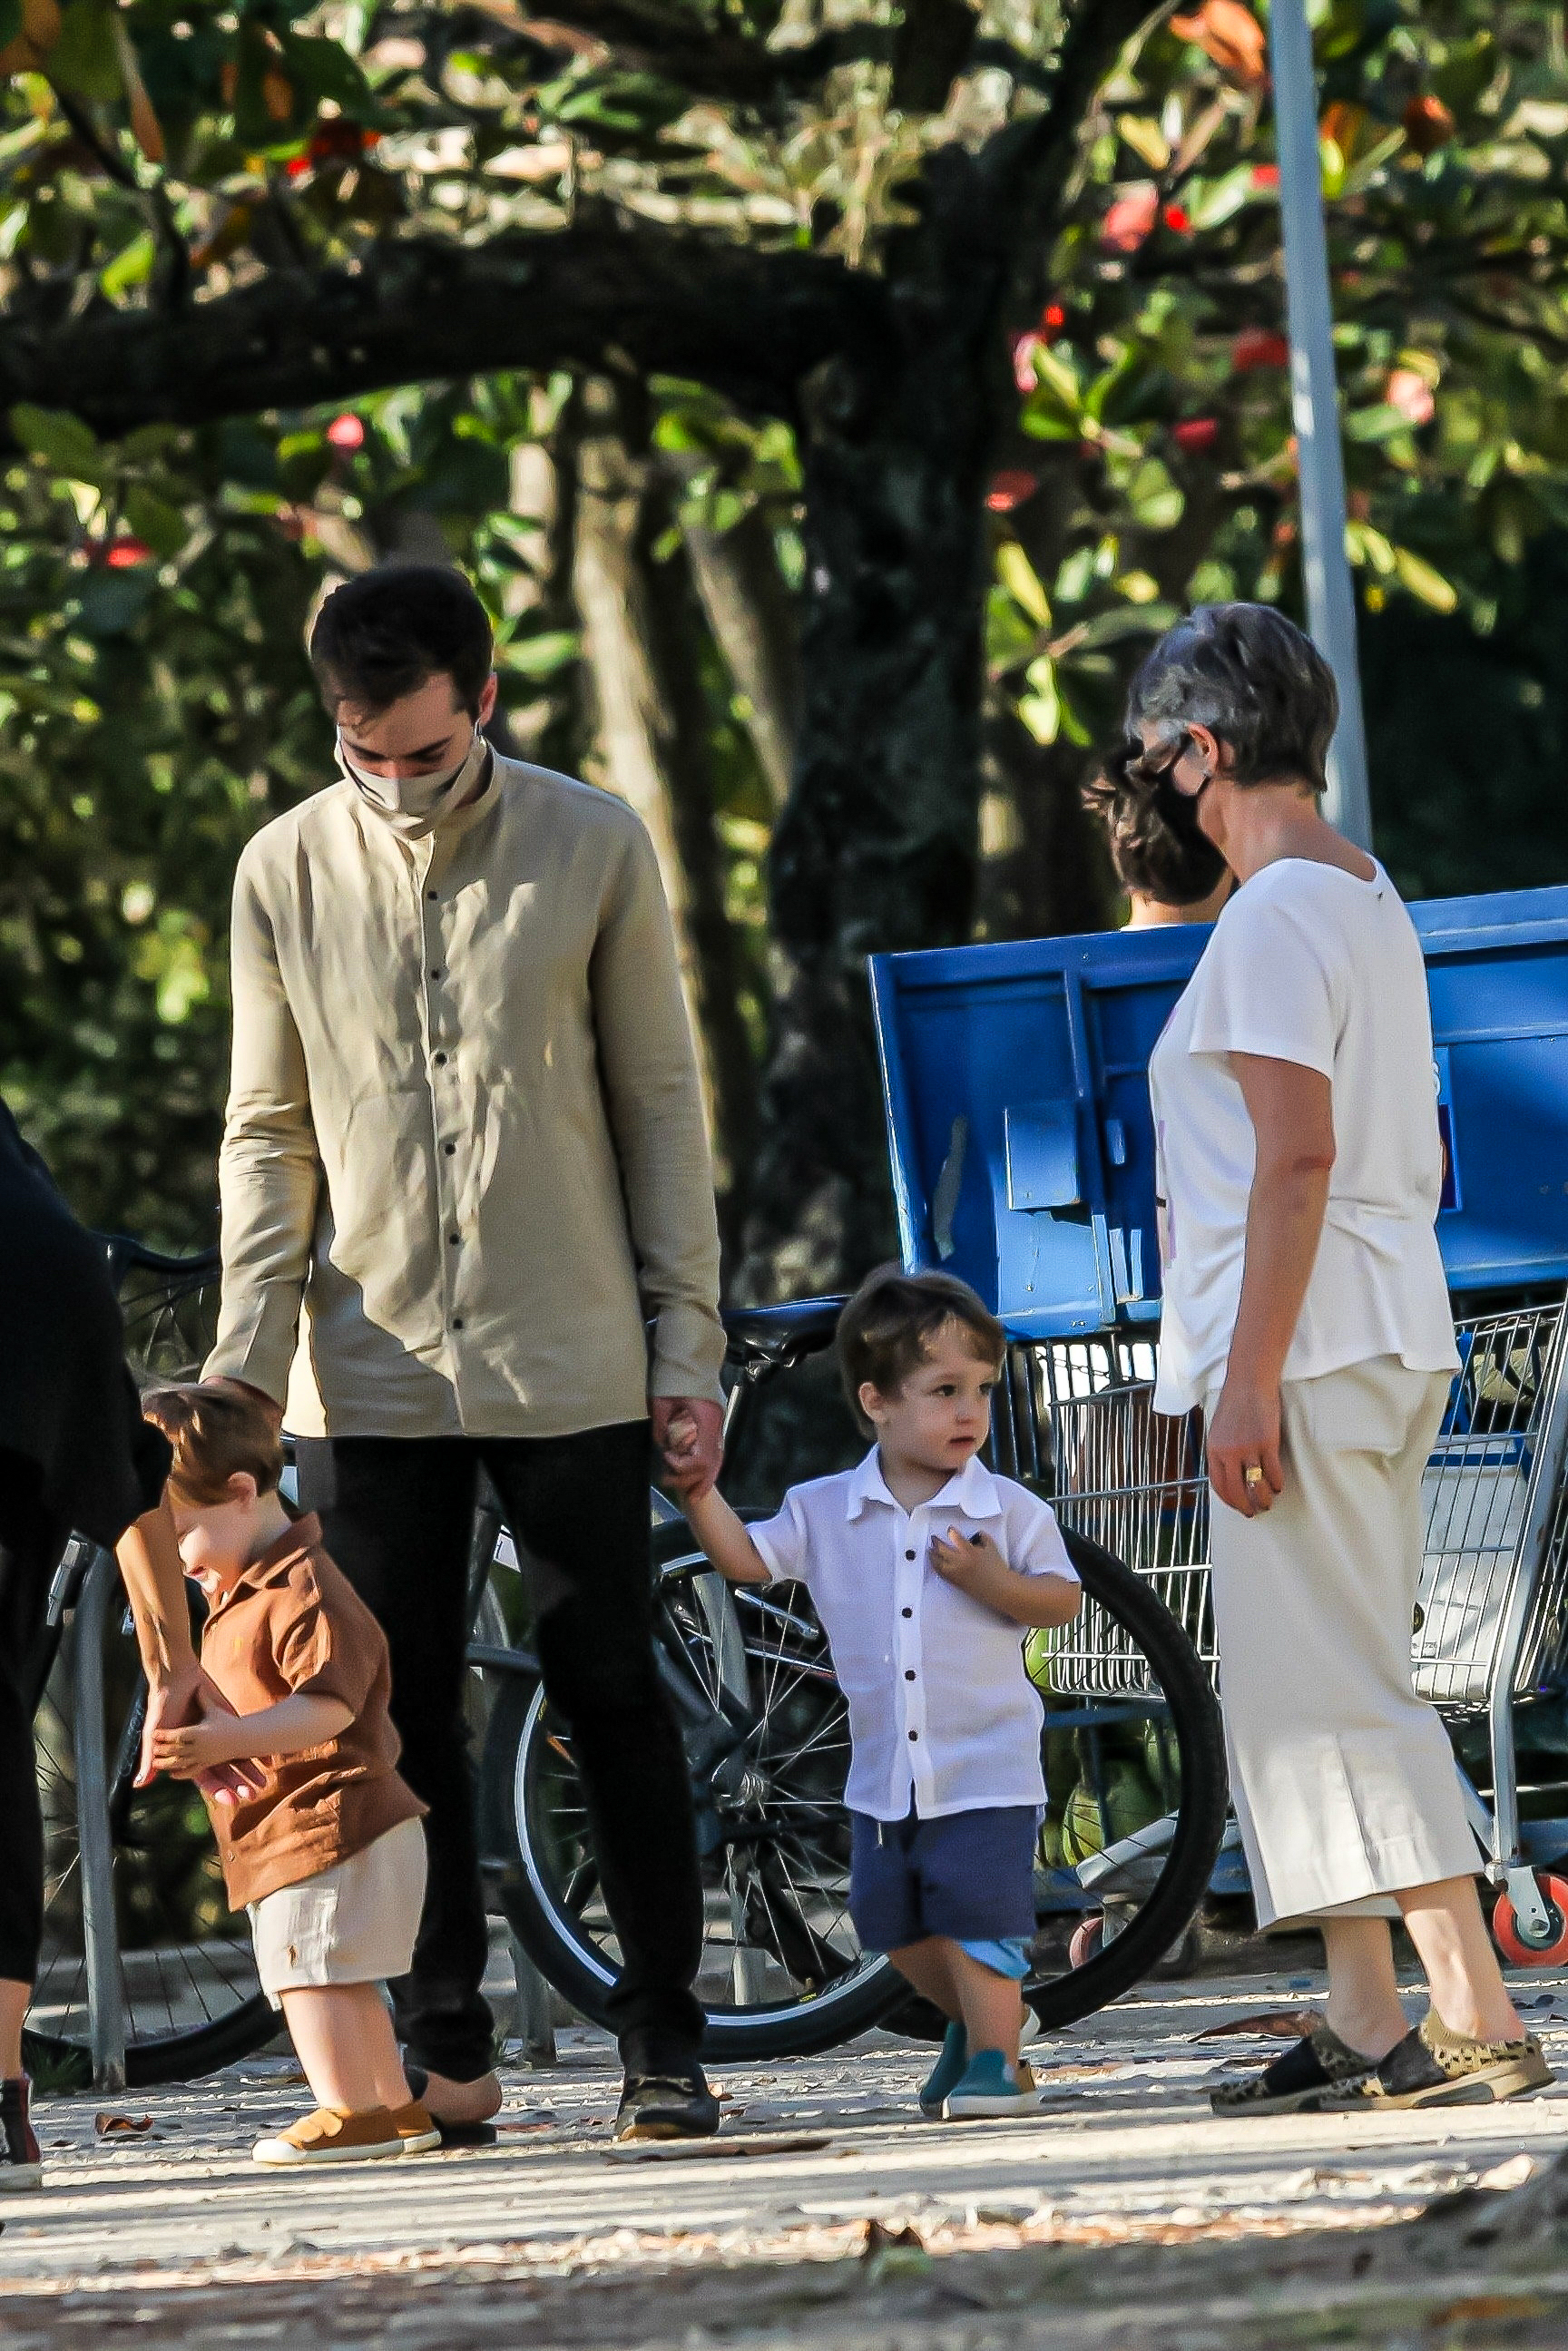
[823, 2177]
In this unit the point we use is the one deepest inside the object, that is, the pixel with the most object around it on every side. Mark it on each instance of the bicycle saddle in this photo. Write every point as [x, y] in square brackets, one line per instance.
[775, 1338]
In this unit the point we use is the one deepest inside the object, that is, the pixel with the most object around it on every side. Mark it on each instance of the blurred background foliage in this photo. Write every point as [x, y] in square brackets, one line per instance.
[643, 544]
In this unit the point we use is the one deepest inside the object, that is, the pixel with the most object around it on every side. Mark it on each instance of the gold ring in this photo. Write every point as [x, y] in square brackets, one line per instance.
[1253, 1474]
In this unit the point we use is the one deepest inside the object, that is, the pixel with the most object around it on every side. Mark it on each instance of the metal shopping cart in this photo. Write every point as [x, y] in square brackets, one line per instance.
[1015, 1079]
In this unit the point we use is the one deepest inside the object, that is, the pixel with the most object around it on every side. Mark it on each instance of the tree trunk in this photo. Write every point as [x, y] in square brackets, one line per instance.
[640, 621]
[752, 616]
[876, 849]
[1044, 868]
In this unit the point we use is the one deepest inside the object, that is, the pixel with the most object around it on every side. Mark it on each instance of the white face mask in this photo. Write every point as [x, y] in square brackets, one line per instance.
[415, 805]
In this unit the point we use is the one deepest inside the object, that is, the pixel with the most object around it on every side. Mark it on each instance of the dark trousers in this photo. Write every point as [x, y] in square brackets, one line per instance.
[397, 1514]
[31, 1543]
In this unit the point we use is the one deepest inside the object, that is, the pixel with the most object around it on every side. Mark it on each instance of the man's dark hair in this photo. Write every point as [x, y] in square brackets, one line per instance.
[885, 1331]
[1156, 846]
[385, 634]
[1254, 680]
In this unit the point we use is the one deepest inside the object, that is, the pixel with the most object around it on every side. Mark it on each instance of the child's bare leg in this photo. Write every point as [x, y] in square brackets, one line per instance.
[991, 2005]
[343, 2034]
[925, 1966]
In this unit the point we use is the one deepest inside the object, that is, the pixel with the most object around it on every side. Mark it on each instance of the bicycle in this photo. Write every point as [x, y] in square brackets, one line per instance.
[765, 1734]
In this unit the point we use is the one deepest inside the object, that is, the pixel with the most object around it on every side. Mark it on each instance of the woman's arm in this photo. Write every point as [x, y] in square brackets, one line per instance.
[287, 1728]
[723, 1538]
[1291, 1109]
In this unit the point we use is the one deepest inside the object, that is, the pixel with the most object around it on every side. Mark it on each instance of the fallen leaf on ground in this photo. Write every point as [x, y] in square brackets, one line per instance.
[1271, 2025]
[893, 2252]
[121, 2125]
[688, 2150]
[1513, 2173]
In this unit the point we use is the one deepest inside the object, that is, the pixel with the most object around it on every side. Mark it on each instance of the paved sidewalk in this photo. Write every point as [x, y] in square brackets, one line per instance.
[174, 2235]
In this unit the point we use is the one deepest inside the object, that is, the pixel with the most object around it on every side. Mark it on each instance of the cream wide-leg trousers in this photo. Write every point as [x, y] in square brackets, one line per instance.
[1343, 1779]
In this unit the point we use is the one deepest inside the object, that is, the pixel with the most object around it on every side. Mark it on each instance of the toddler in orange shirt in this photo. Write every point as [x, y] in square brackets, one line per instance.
[327, 1852]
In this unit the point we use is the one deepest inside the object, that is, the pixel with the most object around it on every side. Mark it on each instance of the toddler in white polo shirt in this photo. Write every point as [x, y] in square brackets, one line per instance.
[926, 1568]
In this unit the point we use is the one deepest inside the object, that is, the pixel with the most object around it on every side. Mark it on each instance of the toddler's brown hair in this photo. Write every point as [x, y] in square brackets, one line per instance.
[215, 1430]
[885, 1331]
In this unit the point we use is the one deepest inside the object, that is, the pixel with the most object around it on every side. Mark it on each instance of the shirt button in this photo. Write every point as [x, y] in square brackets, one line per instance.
[440, 1059]
[454, 1239]
[907, 1612]
[433, 893]
[449, 1148]
[909, 1672]
[435, 971]
[457, 1321]
[908, 1554]
[913, 1735]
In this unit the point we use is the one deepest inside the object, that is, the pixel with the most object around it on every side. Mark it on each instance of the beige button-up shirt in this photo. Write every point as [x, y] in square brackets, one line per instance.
[464, 1129]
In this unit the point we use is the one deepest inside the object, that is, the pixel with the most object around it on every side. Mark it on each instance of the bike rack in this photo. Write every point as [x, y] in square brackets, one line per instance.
[106, 2001]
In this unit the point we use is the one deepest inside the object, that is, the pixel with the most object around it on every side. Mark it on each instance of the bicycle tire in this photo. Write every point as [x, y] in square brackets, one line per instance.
[801, 2028]
[1194, 1720]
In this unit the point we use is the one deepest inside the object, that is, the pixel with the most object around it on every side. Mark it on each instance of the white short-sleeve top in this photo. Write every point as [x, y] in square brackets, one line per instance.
[942, 1711]
[1307, 964]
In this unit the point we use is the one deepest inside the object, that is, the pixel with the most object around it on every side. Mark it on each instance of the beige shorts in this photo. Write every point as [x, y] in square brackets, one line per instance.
[352, 1924]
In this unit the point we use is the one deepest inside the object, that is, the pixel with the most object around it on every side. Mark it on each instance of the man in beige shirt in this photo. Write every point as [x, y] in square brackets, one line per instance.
[464, 1166]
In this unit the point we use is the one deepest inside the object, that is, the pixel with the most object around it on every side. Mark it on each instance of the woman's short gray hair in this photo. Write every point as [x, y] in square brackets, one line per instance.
[1254, 680]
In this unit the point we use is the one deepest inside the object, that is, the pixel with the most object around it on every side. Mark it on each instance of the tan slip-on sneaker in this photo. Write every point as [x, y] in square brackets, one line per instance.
[1312, 2068]
[1434, 2066]
[332, 2136]
[417, 2127]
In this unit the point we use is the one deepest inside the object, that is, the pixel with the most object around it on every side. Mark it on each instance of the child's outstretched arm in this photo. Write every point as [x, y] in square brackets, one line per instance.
[723, 1538]
[287, 1728]
[978, 1567]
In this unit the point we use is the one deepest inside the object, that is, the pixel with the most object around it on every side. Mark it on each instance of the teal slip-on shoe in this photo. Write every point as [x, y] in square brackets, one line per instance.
[946, 2074]
[989, 2085]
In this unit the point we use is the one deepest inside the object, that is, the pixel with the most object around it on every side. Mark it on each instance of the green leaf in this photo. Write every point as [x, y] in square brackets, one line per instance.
[1429, 585]
[133, 266]
[1022, 582]
[541, 657]
[1041, 708]
[85, 60]
[61, 441]
[154, 520]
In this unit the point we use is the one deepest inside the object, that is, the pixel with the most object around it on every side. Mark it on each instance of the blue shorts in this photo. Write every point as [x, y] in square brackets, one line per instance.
[969, 1876]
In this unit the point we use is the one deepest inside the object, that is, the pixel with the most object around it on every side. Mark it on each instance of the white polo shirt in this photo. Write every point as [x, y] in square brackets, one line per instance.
[941, 1709]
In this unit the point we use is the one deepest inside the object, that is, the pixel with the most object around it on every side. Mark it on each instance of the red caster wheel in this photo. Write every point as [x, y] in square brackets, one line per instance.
[1552, 1953]
[1088, 1941]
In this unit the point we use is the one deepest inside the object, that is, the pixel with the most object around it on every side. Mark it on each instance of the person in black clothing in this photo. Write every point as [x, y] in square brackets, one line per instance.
[75, 1455]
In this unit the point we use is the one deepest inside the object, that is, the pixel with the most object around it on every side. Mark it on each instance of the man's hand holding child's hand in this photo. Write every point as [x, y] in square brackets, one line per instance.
[193, 1746]
[971, 1562]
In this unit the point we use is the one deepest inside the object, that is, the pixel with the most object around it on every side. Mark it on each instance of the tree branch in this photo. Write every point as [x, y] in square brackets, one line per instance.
[749, 324]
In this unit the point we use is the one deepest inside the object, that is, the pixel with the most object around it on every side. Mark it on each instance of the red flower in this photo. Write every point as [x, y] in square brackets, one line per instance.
[1009, 489]
[1429, 125]
[1265, 175]
[1196, 434]
[346, 432]
[1130, 218]
[1177, 219]
[1258, 347]
[296, 166]
[1053, 319]
[125, 554]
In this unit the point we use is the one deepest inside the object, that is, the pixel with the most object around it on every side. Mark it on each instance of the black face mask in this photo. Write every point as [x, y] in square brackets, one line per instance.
[1149, 775]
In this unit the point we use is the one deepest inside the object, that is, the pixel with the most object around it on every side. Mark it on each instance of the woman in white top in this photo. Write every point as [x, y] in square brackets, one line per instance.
[1306, 1313]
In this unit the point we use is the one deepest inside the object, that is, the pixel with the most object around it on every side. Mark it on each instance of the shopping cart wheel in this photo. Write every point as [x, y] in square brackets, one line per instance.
[1088, 1941]
[1552, 1953]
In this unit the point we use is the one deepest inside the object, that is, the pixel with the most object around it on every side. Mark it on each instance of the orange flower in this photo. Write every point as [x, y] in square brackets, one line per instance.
[1129, 218]
[1230, 35]
[1009, 489]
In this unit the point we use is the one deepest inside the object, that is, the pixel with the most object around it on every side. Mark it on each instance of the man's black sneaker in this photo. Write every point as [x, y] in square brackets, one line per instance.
[21, 2158]
[666, 2105]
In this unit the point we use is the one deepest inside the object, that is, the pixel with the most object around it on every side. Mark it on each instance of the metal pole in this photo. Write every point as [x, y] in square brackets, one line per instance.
[1314, 401]
[95, 1842]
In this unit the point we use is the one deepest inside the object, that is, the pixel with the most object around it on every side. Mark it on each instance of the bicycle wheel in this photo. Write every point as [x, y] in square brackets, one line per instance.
[1134, 1759]
[767, 1733]
[188, 1980]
